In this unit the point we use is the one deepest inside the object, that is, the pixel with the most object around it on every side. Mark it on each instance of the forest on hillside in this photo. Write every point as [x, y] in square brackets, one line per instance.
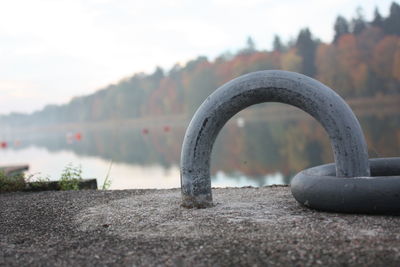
[363, 60]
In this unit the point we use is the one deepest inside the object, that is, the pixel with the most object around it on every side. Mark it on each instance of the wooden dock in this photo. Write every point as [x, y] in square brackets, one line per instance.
[14, 169]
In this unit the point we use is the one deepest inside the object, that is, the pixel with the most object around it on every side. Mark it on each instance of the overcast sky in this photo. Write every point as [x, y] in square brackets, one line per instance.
[53, 50]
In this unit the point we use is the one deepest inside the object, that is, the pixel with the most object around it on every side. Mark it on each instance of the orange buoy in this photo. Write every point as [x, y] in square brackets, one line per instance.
[167, 128]
[78, 136]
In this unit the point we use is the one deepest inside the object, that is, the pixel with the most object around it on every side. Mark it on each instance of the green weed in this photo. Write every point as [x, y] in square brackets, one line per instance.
[36, 180]
[11, 183]
[71, 177]
[107, 181]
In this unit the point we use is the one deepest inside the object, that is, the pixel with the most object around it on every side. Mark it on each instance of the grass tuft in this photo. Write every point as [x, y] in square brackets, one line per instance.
[107, 181]
[71, 177]
[11, 183]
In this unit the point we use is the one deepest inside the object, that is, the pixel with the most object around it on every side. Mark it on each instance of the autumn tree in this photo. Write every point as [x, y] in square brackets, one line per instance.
[341, 27]
[277, 44]
[396, 63]
[306, 47]
[358, 23]
[391, 24]
[199, 81]
[378, 20]
[354, 69]
[327, 65]
[291, 61]
[386, 62]
[367, 40]
[250, 46]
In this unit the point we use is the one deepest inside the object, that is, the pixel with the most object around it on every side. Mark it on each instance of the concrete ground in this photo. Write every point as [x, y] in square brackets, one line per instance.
[248, 226]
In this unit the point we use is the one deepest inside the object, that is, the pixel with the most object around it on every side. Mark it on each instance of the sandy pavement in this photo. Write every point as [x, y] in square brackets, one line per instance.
[247, 227]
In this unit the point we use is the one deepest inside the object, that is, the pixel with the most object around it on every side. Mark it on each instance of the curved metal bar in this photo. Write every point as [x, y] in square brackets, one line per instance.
[321, 102]
[320, 189]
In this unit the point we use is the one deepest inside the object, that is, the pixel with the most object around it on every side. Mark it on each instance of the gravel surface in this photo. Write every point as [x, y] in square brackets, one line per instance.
[247, 226]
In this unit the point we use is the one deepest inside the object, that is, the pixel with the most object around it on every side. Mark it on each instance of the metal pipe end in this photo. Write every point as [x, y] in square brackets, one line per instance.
[198, 202]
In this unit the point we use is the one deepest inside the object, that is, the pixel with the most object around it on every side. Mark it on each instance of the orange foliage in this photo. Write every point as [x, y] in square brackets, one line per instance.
[384, 57]
[351, 62]
[396, 62]
[349, 55]
[224, 71]
[291, 61]
[164, 99]
[326, 64]
[367, 40]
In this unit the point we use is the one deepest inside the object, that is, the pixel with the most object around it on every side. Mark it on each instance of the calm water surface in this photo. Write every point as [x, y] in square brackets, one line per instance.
[248, 152]
[44, 163]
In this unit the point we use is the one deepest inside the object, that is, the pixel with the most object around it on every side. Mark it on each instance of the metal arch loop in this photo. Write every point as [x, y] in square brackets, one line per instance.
[321, 102]
[320, 189]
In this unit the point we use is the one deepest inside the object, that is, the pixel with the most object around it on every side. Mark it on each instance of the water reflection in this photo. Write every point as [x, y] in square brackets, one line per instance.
[44, 163]
[252, 151]
[221, 179]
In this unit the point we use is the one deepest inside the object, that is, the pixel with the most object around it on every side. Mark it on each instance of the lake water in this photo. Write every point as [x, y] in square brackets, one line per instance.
[44, 163]
[248, 151]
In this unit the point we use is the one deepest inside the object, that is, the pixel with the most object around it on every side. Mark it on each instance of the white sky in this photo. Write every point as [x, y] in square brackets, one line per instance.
[53, 50]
